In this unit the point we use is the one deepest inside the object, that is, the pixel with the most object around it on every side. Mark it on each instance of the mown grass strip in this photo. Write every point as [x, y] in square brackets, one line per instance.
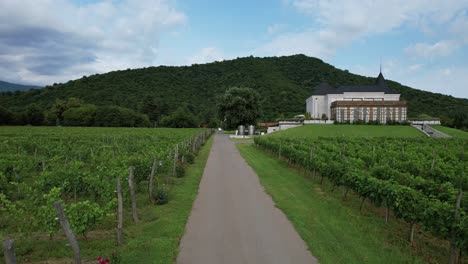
[334, 230]
[315, 131]
[456, 133]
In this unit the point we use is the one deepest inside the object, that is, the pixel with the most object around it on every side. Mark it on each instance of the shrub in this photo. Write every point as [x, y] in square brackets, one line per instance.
[180, 170]
[83, 216]
[189, 158]
[161, 195]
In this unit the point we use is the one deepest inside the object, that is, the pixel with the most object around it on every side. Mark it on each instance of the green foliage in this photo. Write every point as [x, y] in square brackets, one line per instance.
[180, 170]
[179, 119]
[114, 116]
[80, 116]
[83, 216]
[324, 117]
[214, 123]
[161, 195]
[34, 115]
[46, 214]
[81, 167]
[5, 116]
[142, 170]
[189, 157]
[154, 108]
[239, 106]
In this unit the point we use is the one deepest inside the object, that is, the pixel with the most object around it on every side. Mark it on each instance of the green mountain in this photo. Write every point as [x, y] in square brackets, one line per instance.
[11, 87]
[283, 83]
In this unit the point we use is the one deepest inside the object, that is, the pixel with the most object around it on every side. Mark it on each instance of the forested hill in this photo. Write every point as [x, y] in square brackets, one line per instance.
[6, 86]
[283, 83]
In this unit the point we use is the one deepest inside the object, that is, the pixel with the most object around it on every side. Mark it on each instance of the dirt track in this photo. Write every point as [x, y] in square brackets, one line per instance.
[234, 221]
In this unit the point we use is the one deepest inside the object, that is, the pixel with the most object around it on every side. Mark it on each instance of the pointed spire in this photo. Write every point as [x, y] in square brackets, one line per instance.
[380, 64]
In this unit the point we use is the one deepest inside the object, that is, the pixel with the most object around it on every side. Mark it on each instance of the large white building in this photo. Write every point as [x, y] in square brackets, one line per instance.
[359, 102]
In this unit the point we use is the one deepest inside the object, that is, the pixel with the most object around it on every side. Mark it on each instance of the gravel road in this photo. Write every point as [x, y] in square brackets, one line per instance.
[233, 220]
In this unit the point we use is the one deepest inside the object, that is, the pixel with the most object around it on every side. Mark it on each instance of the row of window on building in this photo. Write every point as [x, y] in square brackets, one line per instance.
[367, 114]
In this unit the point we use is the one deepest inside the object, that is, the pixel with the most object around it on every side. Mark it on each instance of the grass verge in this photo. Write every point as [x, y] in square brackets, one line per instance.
[456, 133]
[334, 229]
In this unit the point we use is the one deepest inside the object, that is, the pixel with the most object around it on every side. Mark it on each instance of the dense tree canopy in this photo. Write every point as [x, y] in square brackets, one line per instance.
[283, 84]
[239, 106]
[181, 118]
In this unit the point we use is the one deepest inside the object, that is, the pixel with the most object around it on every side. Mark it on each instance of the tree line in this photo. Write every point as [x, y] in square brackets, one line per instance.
[74, 112]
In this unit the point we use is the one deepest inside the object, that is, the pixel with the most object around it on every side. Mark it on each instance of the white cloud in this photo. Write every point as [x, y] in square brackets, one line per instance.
[59, 40]
[205, 55]
[340, 22]
[440, 49]
[459, 27]
[451, 80]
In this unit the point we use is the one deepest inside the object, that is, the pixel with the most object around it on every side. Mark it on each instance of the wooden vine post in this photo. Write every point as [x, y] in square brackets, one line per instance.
[9, 251]
[153, 172]
[192, 141]
[131, 185]
[387, 212]
[411, 232]
[119, 212]
[453, 248]
[68, 232]
[176, 155]
[279, 152]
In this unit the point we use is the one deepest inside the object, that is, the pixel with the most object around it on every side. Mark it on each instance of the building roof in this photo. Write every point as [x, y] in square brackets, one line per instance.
[322, 89]
[379, 86]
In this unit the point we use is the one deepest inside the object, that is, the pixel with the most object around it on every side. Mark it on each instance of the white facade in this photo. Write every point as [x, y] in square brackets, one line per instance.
[317, 105]
[283, 125]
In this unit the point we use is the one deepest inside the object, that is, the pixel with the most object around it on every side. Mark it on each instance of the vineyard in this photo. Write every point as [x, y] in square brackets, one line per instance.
[420, 181]
[81, 167]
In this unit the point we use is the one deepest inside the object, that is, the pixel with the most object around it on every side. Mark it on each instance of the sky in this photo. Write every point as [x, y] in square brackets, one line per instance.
[420, 43]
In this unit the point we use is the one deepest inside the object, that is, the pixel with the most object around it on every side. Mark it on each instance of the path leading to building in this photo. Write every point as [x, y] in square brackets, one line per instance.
[234, 221]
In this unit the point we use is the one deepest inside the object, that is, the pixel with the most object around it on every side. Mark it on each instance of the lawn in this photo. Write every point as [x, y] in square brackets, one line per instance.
[452, 132]
[315, 131]
[333, 228]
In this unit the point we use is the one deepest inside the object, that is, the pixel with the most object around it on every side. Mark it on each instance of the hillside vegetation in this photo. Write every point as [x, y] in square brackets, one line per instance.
[316, 131]
[283, 83]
